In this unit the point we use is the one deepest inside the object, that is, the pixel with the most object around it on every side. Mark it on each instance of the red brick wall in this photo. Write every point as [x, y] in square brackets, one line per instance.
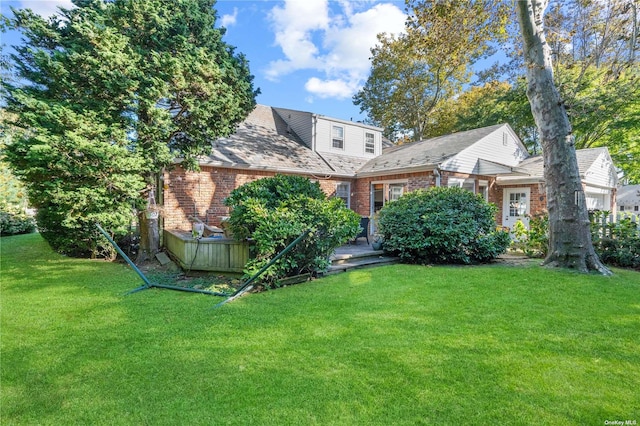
[360, 202]
[538, 202]
[202, 194]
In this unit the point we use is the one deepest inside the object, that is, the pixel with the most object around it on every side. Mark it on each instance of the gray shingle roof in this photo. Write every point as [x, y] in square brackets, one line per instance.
[628, 195]
[264, 141]
[586, 157]
[426, 153]
[344, 164]
[534, 166]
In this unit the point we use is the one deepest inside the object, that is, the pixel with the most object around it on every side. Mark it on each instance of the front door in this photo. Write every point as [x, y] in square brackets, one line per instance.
[516, 206]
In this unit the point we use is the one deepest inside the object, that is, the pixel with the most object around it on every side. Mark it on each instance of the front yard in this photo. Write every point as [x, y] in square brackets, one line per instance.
[391, 345]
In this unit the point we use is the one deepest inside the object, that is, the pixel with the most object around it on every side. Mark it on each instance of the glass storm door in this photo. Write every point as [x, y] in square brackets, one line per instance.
[516, 206]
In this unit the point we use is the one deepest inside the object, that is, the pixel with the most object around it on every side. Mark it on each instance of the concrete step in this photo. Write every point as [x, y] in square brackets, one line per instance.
[342, 265]
[339, 258]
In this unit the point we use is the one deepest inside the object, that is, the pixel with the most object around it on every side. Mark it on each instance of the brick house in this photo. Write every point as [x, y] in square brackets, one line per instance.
[351, 160]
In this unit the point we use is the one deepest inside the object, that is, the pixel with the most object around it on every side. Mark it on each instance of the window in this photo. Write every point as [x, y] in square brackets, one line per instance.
[338, 137]
[517, 203]
[468, 184]
[635, 208]
[369, 143]
[455, 182]
[621, 208]
[343, 191]
[395, 191]
[483, 189]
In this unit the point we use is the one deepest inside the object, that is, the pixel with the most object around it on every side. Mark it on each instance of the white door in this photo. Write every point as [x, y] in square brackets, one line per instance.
[516, 206]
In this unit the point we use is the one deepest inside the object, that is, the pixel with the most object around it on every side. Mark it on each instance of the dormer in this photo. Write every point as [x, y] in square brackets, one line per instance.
[333, 136]
[347, 137]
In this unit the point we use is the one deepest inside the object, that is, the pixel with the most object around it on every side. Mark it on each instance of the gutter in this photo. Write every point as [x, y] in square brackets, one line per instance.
[403, 170]
[436, 173]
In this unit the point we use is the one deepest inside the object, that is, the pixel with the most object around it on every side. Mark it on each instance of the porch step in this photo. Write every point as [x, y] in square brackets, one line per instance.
[345, 261]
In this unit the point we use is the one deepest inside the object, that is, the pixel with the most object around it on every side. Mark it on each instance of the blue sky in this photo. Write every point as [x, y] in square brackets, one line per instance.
[310, 55]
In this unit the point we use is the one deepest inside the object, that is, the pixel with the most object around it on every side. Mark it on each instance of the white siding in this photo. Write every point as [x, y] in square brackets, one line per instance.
[354, 138]
[502, 146]
[300, 122]
[601, 172]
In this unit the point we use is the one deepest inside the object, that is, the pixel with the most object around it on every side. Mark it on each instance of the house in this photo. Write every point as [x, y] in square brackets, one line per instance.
[350, 160]
[628, 199]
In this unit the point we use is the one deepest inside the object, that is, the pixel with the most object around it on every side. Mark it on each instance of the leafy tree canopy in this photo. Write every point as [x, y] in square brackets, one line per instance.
[594, 50]
[412, 74]
[107, 94]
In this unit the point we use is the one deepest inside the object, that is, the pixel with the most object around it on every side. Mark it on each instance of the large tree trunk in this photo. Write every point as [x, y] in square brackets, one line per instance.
[570, 243]
[149, 238]
[149, 227]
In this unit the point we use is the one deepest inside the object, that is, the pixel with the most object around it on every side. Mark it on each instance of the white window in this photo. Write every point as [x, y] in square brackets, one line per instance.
[369, 143]
[338, 137]
[455, 182]
[483, 189]
[468, 184]
[517, 204]
[343, 191]
[395, 191]
[621, 208]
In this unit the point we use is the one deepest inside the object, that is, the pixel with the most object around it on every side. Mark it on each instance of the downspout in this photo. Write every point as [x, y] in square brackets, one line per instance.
[314, 131]
[436, 173]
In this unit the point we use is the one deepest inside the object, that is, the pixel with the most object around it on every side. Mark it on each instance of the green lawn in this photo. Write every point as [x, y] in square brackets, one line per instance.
[391, 345]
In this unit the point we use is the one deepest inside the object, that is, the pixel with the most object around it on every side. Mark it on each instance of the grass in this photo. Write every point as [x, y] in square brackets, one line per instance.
[391, 345]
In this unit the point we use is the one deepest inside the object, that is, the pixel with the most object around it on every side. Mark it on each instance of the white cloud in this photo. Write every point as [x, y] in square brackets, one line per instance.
[339, 89]
[44, 7]
[350, 46]
[229, 20]
[332, 39]
[293, 26]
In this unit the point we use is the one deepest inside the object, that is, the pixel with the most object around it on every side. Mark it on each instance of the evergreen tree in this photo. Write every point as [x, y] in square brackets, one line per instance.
[110, 93]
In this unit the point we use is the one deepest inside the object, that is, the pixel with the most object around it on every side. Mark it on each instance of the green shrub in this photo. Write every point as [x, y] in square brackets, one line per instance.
[442, 225]
[617, 243]
[533, 242]
[275, 211]
[16, 223]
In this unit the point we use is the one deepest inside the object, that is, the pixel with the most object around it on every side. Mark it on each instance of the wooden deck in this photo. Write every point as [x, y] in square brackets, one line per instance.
[228, 255]
[206, 254]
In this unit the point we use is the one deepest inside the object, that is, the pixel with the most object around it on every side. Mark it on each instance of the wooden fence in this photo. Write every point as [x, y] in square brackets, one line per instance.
[607, 225]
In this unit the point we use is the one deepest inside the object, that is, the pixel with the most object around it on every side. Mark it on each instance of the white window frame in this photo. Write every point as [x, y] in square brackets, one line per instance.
[483, 189]
[337, 139]
[340, 194]
[369, 143]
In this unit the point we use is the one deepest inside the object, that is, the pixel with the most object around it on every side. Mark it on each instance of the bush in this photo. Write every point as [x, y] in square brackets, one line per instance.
[533, 242]
[16, 223]
[617, 243]
[275, 211]
[442, 225]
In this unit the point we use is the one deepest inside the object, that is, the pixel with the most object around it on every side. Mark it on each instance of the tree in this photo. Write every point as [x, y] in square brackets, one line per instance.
[111, 93]
[494, 102]
[413, 73]
[569, 227]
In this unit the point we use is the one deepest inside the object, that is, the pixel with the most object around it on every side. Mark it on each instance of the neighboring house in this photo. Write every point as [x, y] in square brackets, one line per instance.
[597, 172]
[352, 161]
[628, 199]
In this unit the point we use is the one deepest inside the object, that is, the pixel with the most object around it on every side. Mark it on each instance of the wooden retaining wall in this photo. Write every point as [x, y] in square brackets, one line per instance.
[206, 254]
